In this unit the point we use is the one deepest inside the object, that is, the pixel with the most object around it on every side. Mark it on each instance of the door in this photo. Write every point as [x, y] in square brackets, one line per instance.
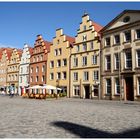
[87, 91]
[129, 88]
[96, 90]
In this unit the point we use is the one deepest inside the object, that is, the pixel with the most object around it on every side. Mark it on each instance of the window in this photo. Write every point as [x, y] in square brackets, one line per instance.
[41, 57]
[20, 79]
[34, 59]
[94, 59]
[84, 46]
[84, 37]
[84, 63]
[43, 78]
[75, 62]
[117, 61]
[75, 76]
[96, 75]
[43, 68]
[138, 85]
[117, 39]
[31, 70]
[37, 69]
[138, 34]
[107, 41]
[60, 51]
[84, 27]
[108, 62]
[138, 58]
[27, 70]
[37, 58]
[21, 70]
[58, 41]
[108, 86]
[58, 75]
[51, 64]
[77, 48]
[51, 76]
[55, 52]
[64, 75]
[58, 63]
[76, 90]
[86, 76]
[128, 60]
[127, 36]
[64, 62]
[117, 86]
[36, 78]
[27, 78]
[91, 46]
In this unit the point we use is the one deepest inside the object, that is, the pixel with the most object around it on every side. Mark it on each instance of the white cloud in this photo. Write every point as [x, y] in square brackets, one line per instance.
[7, 46]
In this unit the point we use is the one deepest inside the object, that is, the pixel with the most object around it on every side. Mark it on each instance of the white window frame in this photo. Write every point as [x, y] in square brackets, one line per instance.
[126, 60]
[84, 61]
[64, 78]
[75, 62]
[94, 59]
[51, 64]
[116, 86]
[116, 61]
[57, 76]
[75, 76]
[86, 76]
[137, 59]
[51, 76]
[96, 75]
[107, 87]
[58, 63]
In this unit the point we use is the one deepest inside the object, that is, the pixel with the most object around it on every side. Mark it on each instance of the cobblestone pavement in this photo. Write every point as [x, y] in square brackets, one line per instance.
[68, 118]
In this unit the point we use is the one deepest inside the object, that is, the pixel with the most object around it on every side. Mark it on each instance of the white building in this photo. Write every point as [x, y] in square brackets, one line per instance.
[24, 69]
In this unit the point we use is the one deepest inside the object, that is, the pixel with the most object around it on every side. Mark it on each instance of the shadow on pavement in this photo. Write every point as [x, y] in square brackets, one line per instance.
[87, 132]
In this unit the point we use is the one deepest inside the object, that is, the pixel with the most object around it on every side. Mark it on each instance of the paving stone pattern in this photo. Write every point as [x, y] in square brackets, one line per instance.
[68, 118]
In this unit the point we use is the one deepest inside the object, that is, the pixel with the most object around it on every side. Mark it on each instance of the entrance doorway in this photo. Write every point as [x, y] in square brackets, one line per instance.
[87, 91]
[96, 90]
[129, 88]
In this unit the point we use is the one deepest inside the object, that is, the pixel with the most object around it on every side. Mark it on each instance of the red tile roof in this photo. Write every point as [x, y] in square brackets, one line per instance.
[30, 50]
[97, 26]
[70, 39]
[47, 44]
[9, 52]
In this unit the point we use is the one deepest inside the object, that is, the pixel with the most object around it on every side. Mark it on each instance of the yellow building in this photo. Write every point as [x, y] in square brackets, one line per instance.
[58, 61]
[4, 61]
[85, 60]
[13, 70]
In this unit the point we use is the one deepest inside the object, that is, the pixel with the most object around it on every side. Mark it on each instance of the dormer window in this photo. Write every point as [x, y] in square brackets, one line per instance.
[84, 37]
[126, 19]
[84, 27]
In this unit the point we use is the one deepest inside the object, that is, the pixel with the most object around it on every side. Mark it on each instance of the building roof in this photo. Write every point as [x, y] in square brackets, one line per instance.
[97, 26]
[30, 50]
[70, 39]
[47, 44]
[120, 15]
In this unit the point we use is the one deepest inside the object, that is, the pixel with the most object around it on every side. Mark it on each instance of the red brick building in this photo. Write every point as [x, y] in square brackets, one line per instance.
[38, 62]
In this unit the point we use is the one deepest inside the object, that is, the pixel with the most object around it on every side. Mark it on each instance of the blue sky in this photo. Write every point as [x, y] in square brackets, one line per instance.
[20, 22]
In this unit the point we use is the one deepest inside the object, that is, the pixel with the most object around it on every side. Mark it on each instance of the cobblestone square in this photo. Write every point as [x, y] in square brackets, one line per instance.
[68, 118]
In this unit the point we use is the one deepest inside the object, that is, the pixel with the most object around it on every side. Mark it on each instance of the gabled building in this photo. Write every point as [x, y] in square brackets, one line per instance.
[13, 70]
[121, 57]
[85, 60]
[24, 69]
[38, 62]
[59, 61]
[5, 54]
